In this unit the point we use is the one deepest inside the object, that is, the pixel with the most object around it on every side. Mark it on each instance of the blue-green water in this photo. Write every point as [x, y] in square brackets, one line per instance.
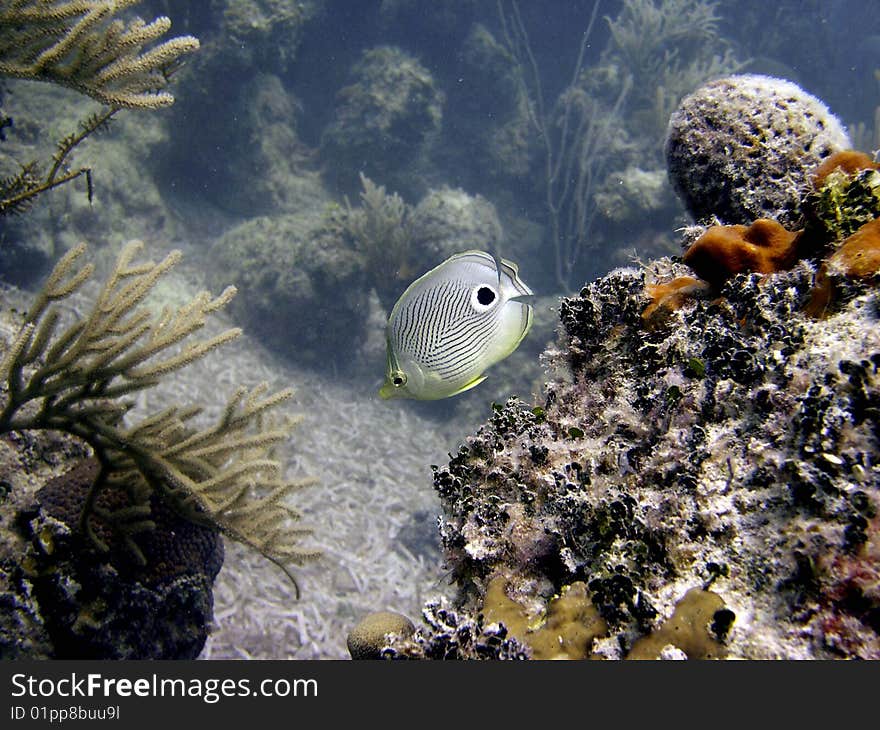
[321, 155]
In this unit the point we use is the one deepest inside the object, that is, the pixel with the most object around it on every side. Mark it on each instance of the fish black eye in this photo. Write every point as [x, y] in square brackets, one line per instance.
[398, 379]
[485, 296]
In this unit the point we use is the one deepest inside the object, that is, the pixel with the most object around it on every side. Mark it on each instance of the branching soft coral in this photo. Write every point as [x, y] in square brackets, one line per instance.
[81, 44]
[77, 381]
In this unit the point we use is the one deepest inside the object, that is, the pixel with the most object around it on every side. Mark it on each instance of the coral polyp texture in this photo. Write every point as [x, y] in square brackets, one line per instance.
[715, 472]
[743, 147]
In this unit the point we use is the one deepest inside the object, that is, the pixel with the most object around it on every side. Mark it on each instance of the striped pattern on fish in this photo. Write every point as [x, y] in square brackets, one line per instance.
[453, 323]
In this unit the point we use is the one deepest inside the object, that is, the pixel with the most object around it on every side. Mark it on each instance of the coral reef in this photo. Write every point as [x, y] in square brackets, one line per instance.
[64, 598]
[857, 258]
[849, 162]
[386, 118]
[236, 138]
[79, 380]
[566, 631]
[305, 288]
[247, 159]
[449, 220]
[381, 230]
[496, 133]
[695, 627]
[266, 34]
[744, 147]
[730, 447]
[631, 192]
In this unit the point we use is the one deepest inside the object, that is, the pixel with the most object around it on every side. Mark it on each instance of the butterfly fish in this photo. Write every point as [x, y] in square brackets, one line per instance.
[453, 323]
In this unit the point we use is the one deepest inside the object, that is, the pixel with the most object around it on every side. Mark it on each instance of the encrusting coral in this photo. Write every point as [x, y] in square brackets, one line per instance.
[694, 628]
[566, 631]
[77, 381]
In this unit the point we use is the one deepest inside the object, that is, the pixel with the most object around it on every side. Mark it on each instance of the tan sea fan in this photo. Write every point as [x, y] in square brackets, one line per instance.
[78, 380]
[83, 45]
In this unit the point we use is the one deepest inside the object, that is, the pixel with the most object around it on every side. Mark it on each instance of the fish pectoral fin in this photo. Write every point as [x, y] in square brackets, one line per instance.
[467, 386]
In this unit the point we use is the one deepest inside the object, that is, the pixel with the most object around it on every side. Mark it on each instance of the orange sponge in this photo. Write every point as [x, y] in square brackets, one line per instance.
[859, 255]
[847, 161]
[667, 297]
[857, 258]
[722, 251]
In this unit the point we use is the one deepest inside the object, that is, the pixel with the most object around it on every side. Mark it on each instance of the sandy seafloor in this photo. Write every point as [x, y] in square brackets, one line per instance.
[372, 511]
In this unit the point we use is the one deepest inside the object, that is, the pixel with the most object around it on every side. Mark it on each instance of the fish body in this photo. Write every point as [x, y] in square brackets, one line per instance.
[453, 323]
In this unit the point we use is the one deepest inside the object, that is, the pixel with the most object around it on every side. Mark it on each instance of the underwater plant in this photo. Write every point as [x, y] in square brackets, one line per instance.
[82, 45]
[657, 51]
[381, 229]
[77, 380]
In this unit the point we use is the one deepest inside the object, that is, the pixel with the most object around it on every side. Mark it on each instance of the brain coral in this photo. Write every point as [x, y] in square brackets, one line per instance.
[743, 147]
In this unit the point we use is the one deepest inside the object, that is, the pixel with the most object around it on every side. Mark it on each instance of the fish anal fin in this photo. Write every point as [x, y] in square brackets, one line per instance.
[467, 386]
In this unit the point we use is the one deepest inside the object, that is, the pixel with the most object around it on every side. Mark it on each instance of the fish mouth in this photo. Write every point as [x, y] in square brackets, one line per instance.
[388, 391]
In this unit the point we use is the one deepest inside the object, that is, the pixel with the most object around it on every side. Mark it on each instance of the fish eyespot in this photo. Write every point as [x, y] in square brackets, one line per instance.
[483, 297]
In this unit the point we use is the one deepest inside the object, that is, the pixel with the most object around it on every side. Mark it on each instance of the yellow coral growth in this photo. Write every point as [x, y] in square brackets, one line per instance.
[687, 629]
[567, 632]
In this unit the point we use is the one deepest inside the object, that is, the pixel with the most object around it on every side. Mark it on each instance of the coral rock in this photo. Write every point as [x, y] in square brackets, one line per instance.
[387, 117]
[303, 289]
[733, 449]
